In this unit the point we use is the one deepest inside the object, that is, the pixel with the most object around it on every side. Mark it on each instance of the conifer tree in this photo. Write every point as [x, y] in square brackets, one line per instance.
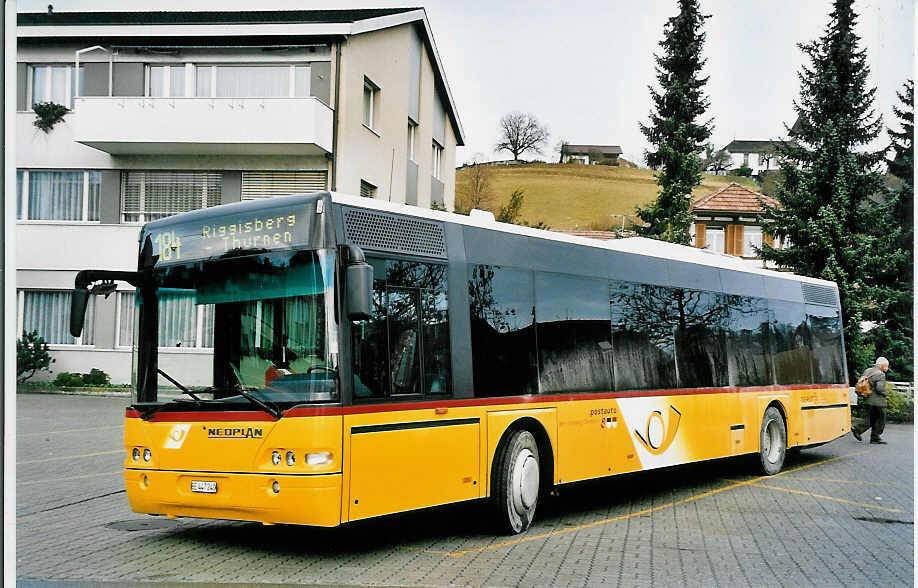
[830, 176]
[894, 335]
[674, 131]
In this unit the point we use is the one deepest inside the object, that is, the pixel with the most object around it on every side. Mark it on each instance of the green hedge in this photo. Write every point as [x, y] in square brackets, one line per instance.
[95, 378]
[899, 410]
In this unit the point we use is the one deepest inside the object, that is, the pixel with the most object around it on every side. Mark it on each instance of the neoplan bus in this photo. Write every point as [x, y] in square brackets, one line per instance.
[362, 358]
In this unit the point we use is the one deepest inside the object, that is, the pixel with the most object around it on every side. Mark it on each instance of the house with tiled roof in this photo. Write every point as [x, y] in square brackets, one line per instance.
[729, 221]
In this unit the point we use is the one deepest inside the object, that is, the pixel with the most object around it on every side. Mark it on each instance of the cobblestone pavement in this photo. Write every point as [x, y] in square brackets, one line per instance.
[839, 515]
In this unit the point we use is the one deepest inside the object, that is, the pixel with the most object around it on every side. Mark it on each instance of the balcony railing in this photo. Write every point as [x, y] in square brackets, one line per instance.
[236, 126]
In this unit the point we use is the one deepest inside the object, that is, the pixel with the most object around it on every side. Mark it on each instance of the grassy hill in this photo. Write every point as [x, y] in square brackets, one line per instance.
[569, 196]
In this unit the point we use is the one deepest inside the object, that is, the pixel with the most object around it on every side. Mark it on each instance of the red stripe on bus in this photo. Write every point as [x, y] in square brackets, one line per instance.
[303, 411]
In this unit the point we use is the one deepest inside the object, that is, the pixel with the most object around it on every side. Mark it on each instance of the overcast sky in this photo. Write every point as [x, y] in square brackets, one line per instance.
[582, 66]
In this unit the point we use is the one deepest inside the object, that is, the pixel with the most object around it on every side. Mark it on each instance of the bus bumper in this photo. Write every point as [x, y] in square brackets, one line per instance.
[301, 500]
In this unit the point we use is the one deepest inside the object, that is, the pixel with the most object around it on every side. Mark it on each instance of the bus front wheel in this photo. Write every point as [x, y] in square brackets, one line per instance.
[516, 481]
[772, 441]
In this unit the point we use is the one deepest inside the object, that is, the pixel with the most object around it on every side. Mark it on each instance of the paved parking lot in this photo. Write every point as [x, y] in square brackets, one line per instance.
[840, 514]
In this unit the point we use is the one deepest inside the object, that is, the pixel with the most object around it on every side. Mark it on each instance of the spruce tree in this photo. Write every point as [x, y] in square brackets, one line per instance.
[674, 131]
[830, 176]
[894, 335]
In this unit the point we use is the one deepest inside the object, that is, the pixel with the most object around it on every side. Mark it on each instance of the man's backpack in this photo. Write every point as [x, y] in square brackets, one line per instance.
[863, 387]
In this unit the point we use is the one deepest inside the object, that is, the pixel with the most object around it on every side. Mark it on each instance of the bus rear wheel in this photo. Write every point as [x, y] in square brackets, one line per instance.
[772, 441]
[516, 482]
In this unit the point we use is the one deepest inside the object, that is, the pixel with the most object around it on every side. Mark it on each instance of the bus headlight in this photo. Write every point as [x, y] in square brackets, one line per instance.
[291, 458]
[275, 457]
[147, 454]
[319, 458]
[135, 454]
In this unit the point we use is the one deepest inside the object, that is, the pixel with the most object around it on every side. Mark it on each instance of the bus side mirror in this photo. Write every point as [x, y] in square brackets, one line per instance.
[359, 284]
[78, 302]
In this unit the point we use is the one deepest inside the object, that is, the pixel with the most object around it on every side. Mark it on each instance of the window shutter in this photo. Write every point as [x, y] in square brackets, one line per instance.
[738, 240]
[700, 229]
[267, 184]
[768, 239]
[149, 195]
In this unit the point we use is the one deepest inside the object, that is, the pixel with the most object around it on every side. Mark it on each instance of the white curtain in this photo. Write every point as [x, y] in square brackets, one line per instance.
[178, 319]
[257, 81]
[56, 195]
[126, 302]
[48, 312]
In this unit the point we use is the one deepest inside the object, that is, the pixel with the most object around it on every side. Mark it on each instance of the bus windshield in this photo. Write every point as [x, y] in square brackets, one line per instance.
[263, 324]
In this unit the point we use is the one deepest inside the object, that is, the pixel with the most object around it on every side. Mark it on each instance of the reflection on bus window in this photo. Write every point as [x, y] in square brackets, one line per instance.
[792, 342]
[749, 360]
[643, 341]
[574, 334]
[828, 360]
[503, 334]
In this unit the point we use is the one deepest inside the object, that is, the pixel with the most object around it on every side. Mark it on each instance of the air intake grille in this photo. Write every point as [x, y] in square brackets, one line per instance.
[398, 234]
[816, 294]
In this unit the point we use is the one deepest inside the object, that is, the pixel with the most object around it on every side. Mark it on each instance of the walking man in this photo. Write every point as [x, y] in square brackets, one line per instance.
[875, 402]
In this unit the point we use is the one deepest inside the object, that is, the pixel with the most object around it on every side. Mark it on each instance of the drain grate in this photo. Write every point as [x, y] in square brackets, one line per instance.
[142, 525]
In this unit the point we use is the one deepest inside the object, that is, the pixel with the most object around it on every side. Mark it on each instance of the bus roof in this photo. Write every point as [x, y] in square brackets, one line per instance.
[635, 245]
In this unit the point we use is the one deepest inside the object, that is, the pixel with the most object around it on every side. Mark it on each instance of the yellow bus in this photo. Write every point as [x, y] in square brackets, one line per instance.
[356, 358]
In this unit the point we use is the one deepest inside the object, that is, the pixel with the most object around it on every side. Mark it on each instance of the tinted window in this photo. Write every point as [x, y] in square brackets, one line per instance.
[642, 336]
[749, 358]
[573, 333]
[404, 348]
[503, 334]
[701, 354]
[828, 359]
[792, 342]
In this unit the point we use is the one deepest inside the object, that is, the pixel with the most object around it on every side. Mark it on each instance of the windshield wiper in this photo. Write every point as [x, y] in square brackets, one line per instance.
[271, 409]
[178, 385]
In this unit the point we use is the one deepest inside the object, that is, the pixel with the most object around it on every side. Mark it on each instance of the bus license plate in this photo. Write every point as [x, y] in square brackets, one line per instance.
[203, 486]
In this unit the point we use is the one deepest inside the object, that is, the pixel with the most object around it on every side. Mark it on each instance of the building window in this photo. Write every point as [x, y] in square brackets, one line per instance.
[714, 239]
[752, 239]
[267, 184]
[53, 83]
[58, 195]
[370, 97]
[252, 81]
[412, 132]
[182, 323]
[367, 190]
[437, 162]
[48, 312]
[745, 159]
[166, 80]
[151, 195]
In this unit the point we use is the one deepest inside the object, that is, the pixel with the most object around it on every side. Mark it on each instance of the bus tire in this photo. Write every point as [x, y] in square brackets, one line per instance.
[516, 482]
[772, 441]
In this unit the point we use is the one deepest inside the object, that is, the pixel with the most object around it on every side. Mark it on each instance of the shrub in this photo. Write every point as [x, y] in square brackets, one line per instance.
[48, 114]
[744, 171]
[31, 355]
[95, 377]
[901, 409]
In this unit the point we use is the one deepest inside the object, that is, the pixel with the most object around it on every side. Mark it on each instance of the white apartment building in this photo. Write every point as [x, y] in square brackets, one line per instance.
[173, 111]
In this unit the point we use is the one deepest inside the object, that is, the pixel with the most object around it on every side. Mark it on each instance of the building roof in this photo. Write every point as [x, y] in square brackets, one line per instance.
[571, 149]
[734, 198]
[204, 17]
[177, 27]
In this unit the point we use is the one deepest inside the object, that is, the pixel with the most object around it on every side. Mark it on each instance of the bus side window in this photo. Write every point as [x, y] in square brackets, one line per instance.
[701, 351]
[503, 334]
[573, 334]
[750, 354]
[792, 342]
[828, 359]
[643, 344]
[371, 349]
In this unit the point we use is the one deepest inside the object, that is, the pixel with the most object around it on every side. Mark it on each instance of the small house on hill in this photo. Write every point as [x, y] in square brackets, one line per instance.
[728, 221]
[757, 155]
[590, 154]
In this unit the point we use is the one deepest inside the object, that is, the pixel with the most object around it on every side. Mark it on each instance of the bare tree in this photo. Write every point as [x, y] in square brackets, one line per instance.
[521, 132]
[559, 148]
[476, 192]
[714, 160]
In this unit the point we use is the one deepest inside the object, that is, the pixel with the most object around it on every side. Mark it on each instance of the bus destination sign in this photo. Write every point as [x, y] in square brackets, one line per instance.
[267, 230]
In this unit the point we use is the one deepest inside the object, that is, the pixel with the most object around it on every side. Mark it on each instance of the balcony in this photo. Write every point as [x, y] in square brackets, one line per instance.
[204, 126]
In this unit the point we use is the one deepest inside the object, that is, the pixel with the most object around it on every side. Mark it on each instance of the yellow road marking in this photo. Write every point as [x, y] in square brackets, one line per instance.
[639, 513]
[823, 497]
[18, 483]
[70, 457]
[69, 431]
[861, 482]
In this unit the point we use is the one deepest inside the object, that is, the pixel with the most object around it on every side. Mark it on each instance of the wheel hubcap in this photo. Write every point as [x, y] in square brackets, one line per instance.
[772, 441]
[525, 481]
